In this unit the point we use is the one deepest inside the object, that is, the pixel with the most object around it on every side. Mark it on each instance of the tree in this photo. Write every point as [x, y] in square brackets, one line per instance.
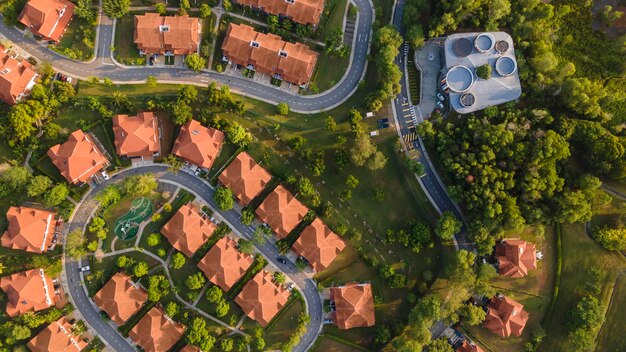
[154, 239]
[75, 244]
[609, 16]
[279, 277]
[223, 197]
[20, 332]
[471, 314]
[611, 239]
[198, 335]
[352, 181]
[583, 96]
[214, 294]
[38, 185]
[195, 281]
[447, 226]
[123, 261]
[440, 345]
[238, 135]
[140, 269]
[140, 184]
[415, 36]
[86, 10]
[331, 125]
[283, 108]
[245, 246]
[181, 112]
[174, 162]
[152, 81]
[195, 62]
[160, 8]
[56, 195]
[63, 91]
[222, 307]
[205, 10]
[158, 286]
[178, 260]
[109, 196]
[14, 180]
[116, 8]
[226, 344]
[247, 216]
[171, 309]
[187, 93]
[227, 5]
[97, 227]
[483, 71]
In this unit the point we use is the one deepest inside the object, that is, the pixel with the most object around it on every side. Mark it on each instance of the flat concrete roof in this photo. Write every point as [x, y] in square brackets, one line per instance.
[504, 84]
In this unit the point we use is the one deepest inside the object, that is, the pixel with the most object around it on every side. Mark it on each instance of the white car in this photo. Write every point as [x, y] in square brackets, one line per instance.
[440, 97]
[440, 105]
[85, 268]
[105, 175]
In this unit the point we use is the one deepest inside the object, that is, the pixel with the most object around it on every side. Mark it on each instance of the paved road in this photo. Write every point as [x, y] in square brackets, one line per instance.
[90, 313]
[407, 119]
[103, 66]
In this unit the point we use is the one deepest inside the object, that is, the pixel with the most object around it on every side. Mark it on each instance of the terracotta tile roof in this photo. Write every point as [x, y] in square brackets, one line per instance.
[77, 159]
[261, 298]
[245, 178]
[468, 347]
[156, 34]
[57, 337]
[16, 78]
[119, 298]
[505, 317]
[223, 264]
[187, 230]
[271, 55]
[515, 257]
[28, 291]
[155, 332]
[281, 211]
[29, 229]
[300, 11]
[198, 145]
[319, 245]
[136, 136]
[354, 305]
[47, 18]
[190, 348]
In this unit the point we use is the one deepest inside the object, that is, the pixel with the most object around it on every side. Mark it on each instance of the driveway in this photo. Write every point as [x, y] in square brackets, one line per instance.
[90, 313]
[428, 61]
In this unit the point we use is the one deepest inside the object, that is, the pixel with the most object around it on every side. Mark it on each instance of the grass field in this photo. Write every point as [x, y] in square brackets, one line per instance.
[126, 51]
[328, 344]
[73, 40]
[86, 89]
[328, 72]
[612, 337]
[282, 325]
[332, 17]
[580, 254]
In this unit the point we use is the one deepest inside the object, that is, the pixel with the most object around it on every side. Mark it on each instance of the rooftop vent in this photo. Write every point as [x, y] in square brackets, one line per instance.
[502, 46]
[164, 28]
[5, 71]
[462, 47]
[282, 53]
[195, 132]
[291, 1]
[467, 100]
[254, 44]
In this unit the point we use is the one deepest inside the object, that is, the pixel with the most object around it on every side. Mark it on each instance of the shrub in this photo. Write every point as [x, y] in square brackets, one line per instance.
[483, 71]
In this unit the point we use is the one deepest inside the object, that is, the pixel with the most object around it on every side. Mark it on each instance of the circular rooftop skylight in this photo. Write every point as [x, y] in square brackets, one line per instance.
[484, 42]
[462, 47]
[505, 66]
[460, 78]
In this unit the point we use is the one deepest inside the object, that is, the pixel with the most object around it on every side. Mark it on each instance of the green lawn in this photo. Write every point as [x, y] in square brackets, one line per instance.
[132, 90]
[612, 337]
[414, 80]
[126, 51]
[328, 72]
[328, 344]
[332, 17]
[232, 317]
[72, 44]
[281, 326]
[227, 154]
[580, 253]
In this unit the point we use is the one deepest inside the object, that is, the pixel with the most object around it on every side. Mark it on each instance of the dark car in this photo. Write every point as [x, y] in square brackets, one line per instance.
[152, 59]
[281, 260]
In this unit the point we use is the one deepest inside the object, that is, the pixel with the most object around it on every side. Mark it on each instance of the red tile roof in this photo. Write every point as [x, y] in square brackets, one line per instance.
[515, 257]
[468, 347]
[354, 305]
[187, 230]
[77, 159]
[300, 11]
[156, 34]
[245, 178]
[136, 136]
[319, 245]
[271, 55]
[120, 298]
[28, 291]
[155, 332]
[29, 229]
[16, 78]
[47, 18]
[190, 348]
[57, 337]
[281, 211]
[223, 264]
[198, 145]
[261, 298]
[505, 317]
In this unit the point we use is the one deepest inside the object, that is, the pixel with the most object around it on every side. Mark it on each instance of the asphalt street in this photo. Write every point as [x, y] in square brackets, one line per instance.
[103, 67]
[91, 313]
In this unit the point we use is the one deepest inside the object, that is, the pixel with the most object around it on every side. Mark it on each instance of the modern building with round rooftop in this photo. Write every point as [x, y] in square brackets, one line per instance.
[463, 47]
[459, 79]
[505, 66]
[484, 42]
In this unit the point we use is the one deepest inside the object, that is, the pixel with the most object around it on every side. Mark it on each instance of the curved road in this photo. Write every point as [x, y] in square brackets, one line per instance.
[103, 67]
[90, 313]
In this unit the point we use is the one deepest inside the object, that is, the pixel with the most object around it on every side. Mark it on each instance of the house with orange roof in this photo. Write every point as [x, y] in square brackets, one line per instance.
[156, 332]
[198, 145]
[57, 337]
[47, 18]
[30, 229]
[167, 35]
[353, 305]
[245, 178]
[188, 229]
[468, 346]
[120, 298]
[79, 158]
[515, 257]
[318, 245]
[281, 211]
[505, 316]
[137, 136]
[261, 298]
[28, 291]
[300, 11]
[17, 78]
[224, 264]
[190, 348]
[269, 54]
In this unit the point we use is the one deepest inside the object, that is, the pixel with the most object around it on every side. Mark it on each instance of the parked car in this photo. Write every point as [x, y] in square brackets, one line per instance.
[105, 175]
[85, 268]
[440, 105]
[68, 79]
[152, 59]
[440, 97]
[281, 260]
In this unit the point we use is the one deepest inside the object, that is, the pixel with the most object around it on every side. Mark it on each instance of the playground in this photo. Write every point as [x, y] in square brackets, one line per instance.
[127, 225]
